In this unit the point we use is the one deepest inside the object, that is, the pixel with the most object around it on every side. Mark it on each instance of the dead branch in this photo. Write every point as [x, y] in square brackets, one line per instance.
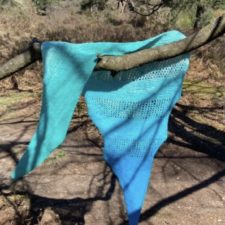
[20, 61]
[118, 63]
[192, 42]
[151, 8]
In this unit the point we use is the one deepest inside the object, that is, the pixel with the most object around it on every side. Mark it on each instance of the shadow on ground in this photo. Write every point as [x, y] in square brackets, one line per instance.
[190, 143]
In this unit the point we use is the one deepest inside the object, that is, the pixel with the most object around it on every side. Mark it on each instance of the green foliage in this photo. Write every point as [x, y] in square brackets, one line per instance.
[206, 17]
[184, 19]
[186, 14]
[6, 2]
[189, 13]
[216, 4]
[181, 3]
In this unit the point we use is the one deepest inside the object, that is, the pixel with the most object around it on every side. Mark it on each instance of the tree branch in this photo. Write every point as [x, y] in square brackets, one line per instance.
[192, 42]
[152, 8]
[118, 63]
[20, 61]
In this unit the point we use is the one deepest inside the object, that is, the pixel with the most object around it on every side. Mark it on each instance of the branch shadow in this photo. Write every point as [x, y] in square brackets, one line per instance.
[82, 206]
[70, 211]
[212, 146]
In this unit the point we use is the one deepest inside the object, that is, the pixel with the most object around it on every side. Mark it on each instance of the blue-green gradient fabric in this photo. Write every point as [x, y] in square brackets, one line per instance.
[131, 109]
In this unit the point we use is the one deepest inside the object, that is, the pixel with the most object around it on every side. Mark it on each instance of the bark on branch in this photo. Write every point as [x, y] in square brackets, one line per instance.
[118, 63]
[192, 42]
[20, 61]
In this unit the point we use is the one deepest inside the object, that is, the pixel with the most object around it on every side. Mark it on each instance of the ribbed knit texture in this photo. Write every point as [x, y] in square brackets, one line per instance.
[131, 110]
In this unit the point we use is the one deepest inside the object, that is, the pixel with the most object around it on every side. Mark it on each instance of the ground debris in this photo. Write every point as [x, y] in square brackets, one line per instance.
[50, 218]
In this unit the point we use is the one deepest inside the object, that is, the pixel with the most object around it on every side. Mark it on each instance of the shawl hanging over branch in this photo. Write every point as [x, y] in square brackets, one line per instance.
[131, 110]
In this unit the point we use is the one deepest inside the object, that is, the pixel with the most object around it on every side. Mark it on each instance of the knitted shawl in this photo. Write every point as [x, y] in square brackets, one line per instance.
[131, 110]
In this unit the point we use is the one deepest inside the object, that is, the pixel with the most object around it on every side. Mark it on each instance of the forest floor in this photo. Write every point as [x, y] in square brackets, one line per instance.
[75, 186]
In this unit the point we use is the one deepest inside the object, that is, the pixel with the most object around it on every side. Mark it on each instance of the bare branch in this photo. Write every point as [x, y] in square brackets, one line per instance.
[152, 8]
[118, 63]
[192, 42]
[20, 61]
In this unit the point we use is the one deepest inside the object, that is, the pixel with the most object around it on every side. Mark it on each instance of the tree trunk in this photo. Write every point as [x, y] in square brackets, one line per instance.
[199, 12]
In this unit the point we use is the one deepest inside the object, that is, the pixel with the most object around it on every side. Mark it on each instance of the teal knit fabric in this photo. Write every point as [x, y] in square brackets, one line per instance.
[131, 110]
